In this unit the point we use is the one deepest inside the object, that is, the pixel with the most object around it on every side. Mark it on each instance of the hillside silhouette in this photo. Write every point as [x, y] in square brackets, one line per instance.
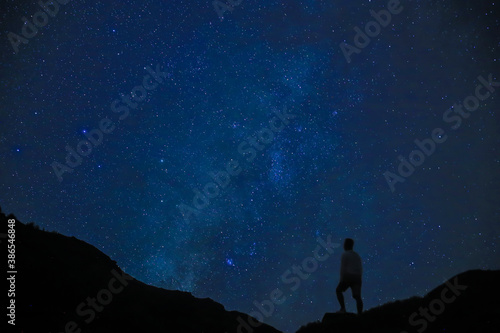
[475, 309]
[57, 274]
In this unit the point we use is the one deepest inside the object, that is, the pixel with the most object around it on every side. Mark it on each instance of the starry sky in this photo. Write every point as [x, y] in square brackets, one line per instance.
[145, 195]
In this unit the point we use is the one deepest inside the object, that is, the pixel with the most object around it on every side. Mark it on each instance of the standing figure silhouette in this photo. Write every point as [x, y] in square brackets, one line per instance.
[351, 271]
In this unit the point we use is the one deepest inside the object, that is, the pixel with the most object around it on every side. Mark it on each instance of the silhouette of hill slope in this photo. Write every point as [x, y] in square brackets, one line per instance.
[56, 274]
[447, 308]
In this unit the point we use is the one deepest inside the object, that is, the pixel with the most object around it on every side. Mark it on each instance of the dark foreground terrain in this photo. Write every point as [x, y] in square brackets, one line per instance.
[66, 285]
[468, 302]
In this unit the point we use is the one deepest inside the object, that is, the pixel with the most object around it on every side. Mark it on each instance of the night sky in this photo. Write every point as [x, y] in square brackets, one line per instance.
[312, 130]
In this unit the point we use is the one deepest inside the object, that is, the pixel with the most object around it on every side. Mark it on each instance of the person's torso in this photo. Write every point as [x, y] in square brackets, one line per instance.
[353, 264]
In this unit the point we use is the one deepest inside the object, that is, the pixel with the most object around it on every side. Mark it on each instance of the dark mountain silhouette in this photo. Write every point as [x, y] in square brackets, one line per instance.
[66, 285]
[57, 273]
[447, 308]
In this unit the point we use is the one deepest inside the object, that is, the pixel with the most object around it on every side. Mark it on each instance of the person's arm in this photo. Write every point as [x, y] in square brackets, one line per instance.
[342, 266]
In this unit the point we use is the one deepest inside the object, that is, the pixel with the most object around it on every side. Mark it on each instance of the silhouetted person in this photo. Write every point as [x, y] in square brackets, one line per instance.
[351, 271]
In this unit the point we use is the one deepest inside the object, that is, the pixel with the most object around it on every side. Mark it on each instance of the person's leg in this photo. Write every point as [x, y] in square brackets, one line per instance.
[356, 294]
[359, 304]
[340, 297]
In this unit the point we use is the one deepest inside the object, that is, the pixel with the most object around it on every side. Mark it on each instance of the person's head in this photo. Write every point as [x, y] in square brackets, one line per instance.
[348, 244]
